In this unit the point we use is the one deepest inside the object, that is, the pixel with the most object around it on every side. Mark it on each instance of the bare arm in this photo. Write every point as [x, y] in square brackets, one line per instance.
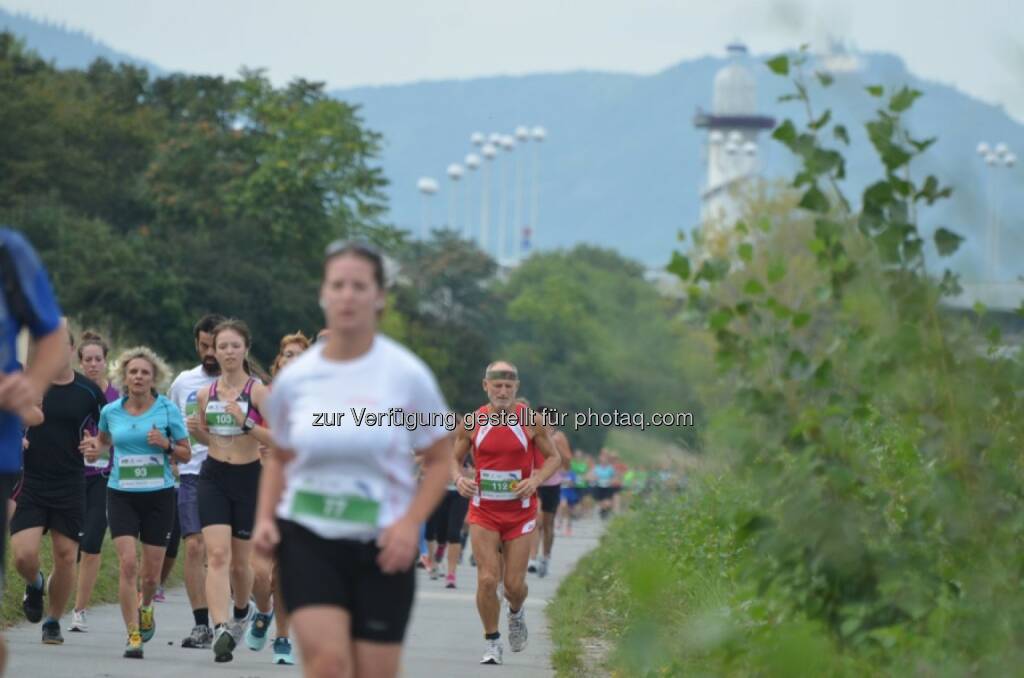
[200, 431]
[564, 451]
[466, 487]
[33, 416]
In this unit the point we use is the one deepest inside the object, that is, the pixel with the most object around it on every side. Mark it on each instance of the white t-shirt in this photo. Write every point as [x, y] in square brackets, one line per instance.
[183, 393]
[351, 478]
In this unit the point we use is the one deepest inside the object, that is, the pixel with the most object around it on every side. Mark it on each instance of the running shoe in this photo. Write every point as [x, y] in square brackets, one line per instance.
[223, 644]
[238, 626]
[147, 623]
[532, 567]
[450, 581]
[283, 652]
[542, 567]
[32, 603]
[51, 633]
[200, 638]
[256, 635]
[159, 596]
[435, 572]
[492, 655]
[133, 650]
[79, 622]
[517, 634]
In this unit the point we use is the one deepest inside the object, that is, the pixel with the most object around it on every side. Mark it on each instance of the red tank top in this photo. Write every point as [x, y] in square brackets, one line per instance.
[504, 455]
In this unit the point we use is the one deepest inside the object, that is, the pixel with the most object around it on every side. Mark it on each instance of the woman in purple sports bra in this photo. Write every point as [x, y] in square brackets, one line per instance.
[92, 356]
[233, 429]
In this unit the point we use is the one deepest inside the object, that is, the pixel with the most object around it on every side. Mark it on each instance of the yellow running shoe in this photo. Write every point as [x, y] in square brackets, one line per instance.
[147, 623]
[133, 650]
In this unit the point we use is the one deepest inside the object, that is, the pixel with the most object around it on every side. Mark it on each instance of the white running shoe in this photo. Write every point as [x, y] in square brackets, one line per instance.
[542, 567]
[78, 622]
[532, 567]
[492, 655]
[517, 634]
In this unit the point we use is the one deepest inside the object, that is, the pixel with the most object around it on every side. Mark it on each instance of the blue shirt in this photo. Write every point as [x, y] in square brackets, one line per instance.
[137, 465]
[26, 300]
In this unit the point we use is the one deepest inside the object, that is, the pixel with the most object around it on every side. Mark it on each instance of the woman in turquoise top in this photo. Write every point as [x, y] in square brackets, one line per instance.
[147, 431]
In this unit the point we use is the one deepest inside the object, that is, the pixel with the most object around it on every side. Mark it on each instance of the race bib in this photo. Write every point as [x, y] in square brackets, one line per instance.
[141, 472]
[338, 501]
[499, 485]
[220, 422]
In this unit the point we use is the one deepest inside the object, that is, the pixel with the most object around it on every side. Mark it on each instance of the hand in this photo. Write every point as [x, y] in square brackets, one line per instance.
[17, 393]
[192, 424]
[24, 444]
[90, 447]
[157, 439]
[265, 538]
[399, 546]
[527, 488]
[235, 411]
[465, 486]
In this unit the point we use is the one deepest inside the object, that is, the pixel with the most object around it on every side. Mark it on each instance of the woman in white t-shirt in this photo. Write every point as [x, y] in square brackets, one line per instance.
[347, 416]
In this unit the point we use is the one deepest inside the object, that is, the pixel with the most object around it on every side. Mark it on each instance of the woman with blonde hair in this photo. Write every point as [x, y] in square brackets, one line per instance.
[146, 431]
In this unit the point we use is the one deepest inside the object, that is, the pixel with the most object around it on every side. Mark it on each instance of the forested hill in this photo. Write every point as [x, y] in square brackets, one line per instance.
[65, 46]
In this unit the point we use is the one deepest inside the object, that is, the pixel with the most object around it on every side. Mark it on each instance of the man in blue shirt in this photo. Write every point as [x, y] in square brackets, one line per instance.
[26, 300]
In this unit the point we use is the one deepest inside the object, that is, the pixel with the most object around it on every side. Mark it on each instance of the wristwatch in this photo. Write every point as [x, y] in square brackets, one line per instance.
[170, 447]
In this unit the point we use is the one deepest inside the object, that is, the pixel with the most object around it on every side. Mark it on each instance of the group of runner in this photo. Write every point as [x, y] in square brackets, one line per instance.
[318, 524]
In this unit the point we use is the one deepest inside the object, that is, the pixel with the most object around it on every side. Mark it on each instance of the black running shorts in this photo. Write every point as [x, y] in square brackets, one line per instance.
[549, 495]
[227, 495]
[147, 516]
[344, 573]
[95, 514]
[62, 512]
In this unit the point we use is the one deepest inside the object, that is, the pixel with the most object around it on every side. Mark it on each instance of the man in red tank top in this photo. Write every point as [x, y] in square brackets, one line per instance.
[504, 437]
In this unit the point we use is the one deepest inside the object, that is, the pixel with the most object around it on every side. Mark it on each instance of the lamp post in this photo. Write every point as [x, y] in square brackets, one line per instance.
[997, 158]
[488, 151]
[427, 188]
[522, 135]
[507, 144]
[538, 134]
[472, 162]
[455, 173]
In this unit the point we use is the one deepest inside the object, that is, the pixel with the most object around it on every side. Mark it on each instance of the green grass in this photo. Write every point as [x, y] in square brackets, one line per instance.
[105, 590]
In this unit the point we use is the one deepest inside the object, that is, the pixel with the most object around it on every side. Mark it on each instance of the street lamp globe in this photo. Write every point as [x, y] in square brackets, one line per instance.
[1010, 159]
[983, 149]
[522, 133]
[1001, 149]
[455, 171]
[427, 186]
[477, 138]
[750, 148]
[991, 158]
[489, 151]
[716, 137]
[539, 133]
[472, 161]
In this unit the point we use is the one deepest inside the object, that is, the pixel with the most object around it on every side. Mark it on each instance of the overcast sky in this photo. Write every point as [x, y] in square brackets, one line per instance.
[977, 46]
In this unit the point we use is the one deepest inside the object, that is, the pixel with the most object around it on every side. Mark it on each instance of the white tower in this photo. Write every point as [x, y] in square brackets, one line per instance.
[732, 146]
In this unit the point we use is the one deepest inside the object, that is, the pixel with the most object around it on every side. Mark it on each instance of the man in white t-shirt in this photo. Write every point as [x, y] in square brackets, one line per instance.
[183, 393]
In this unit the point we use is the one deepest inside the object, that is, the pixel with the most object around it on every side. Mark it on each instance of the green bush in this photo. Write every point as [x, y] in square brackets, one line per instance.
[870, 518]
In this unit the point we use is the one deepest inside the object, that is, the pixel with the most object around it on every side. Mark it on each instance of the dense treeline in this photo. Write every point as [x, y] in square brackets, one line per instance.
[154, 201]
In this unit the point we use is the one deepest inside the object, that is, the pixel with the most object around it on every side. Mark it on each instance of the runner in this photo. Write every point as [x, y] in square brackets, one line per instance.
[444, 529]
[347, 505]
[550, 494]
[503, 509]
[184, 393]
[580, 468]
[26, 301]
[604, 477]
[266, 574]
[52, 495]
[92, 356]
[146, 431]
[570, 499]
[232, 427]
